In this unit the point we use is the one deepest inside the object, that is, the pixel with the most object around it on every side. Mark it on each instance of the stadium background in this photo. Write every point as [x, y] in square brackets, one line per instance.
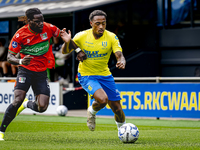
[159, 37]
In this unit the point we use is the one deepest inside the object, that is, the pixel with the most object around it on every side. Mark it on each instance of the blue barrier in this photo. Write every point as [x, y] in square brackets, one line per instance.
[180, 100]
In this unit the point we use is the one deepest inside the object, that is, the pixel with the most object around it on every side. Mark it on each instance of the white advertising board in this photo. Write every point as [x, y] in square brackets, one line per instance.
[7, 96]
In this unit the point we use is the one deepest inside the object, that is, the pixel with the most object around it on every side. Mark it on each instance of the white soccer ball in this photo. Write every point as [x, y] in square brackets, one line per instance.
[128, 133]
[61, 110]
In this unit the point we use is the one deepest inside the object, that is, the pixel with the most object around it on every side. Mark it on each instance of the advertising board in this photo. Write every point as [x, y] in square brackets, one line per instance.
[7, 96]
[179, 100]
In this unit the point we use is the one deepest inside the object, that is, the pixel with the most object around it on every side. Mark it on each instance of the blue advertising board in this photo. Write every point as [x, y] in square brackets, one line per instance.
[180, 100]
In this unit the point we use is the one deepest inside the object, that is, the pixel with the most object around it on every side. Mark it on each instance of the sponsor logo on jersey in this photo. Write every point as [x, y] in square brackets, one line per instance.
[94, 54]
[14, 44]
[36, 49]
[22, 79]
[17, 35]
[44, 36]
[116, 38]
[28, 40]
[88, 42]
[104, 44]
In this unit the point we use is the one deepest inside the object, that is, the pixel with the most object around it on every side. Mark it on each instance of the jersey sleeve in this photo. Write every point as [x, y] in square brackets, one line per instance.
[55, 30]
[15, 44]
[116, 44]
[78, 37]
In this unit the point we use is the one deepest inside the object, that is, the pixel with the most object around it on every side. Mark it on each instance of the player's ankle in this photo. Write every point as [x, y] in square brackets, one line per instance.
[2, 132]
[119, 124]
[92, 111]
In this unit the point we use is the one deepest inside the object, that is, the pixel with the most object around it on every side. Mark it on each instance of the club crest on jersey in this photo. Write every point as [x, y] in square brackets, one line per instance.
[44, 36]
[14, 44]
[104, 44]
[22, 79]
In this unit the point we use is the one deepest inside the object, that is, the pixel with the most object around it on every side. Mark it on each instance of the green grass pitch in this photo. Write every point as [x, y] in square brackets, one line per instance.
[38, 132]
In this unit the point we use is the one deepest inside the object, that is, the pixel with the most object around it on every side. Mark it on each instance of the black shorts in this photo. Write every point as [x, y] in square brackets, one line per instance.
[37, 80]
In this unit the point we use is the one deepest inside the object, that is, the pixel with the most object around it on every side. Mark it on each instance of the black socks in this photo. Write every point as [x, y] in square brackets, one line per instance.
[32, 105]
[8, 117]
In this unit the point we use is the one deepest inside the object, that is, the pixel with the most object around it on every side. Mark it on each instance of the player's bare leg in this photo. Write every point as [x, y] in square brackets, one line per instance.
[101, 99]
[119, 113]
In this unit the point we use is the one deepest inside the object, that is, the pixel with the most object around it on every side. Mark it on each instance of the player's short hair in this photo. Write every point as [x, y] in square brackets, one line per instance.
[97, 13]
[31, 12]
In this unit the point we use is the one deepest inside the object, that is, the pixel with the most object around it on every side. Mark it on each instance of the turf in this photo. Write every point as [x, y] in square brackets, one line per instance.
[34, 132]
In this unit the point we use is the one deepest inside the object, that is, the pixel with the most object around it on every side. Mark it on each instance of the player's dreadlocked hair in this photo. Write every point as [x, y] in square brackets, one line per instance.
[29, 15]
[97, 13]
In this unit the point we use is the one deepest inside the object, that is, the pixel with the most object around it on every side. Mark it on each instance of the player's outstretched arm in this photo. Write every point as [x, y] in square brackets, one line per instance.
[121, 62]
[16, 61]
[69, 45]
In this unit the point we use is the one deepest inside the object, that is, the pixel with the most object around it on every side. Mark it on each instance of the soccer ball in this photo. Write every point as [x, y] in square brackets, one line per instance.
[128, 133]
[61, 110]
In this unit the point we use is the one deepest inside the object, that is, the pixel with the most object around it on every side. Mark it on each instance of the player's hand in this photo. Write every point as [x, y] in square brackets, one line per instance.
[121, 61]
[121, 64]
[26, 60]
[81, 56]
[65, 36]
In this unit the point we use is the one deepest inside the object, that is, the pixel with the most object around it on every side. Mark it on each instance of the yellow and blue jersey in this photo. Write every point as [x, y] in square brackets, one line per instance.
[98, 52]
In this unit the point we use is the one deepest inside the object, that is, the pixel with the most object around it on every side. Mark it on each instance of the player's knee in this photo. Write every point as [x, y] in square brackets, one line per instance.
[103, 102]
[17, 101]
[42, 108]
[16, 104]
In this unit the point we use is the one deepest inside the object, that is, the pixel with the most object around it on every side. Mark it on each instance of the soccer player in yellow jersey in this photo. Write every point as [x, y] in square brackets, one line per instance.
[93, 73]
